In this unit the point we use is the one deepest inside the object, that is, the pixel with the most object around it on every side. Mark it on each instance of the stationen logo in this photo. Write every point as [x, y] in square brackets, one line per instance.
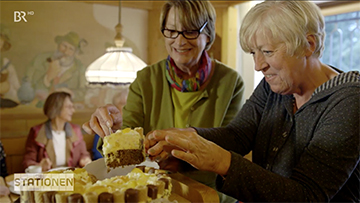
[20, 15]
[44, 182]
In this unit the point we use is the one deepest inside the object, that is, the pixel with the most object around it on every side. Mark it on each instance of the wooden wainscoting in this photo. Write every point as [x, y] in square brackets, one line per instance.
[15, 124]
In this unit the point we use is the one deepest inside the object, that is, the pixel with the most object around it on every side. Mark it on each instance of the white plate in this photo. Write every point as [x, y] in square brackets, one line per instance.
[58, 168]
[11, 188]
[99, 170]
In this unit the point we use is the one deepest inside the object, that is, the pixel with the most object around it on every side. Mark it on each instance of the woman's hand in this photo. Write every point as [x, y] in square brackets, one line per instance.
[103, 121]
[84, 161]
[159, 149]
[187, 145]
[45, 164]
[161, 153]
[4, 190]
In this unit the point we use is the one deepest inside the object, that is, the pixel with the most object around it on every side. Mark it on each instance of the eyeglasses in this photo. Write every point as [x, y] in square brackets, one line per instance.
[188, 34]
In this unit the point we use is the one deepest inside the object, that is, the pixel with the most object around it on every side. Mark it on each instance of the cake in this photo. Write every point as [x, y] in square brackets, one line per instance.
[142, 184]
[124, 147]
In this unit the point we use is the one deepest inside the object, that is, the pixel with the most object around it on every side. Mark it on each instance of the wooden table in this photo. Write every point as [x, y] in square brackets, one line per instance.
[186, 189]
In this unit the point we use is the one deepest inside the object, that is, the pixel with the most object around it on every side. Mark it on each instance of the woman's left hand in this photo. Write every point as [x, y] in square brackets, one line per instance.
[187, 145]
[159, 148]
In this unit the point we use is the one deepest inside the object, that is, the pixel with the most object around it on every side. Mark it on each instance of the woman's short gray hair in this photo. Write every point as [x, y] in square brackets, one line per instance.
[193, 14]
[289, 22]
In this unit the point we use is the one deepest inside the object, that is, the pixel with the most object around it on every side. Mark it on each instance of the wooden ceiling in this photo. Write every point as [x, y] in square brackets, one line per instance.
[150, 5]
[157, 4]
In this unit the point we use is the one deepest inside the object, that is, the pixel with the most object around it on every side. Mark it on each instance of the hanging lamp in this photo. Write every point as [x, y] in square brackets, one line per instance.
[118, 65]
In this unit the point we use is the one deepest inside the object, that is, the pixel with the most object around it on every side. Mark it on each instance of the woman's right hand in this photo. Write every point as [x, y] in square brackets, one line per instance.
[45, 164]
[103, 120]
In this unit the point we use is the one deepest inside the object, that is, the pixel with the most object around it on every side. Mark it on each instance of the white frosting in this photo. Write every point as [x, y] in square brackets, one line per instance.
[133, 179]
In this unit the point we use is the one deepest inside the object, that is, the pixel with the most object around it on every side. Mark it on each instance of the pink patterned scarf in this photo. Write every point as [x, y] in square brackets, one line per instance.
[174, 75]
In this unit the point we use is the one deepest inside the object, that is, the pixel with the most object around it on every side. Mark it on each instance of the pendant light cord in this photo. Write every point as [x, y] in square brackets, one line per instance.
[119, 11]
[119, 40]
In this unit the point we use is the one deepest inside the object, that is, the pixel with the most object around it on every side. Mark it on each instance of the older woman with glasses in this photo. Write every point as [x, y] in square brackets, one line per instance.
[188, 88]
[57, 142]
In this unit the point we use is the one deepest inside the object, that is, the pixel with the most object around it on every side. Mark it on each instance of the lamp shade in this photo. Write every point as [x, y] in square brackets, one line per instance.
[117, 65]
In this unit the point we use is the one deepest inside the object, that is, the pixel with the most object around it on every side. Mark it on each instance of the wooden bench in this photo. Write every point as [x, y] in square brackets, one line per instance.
[15, 124]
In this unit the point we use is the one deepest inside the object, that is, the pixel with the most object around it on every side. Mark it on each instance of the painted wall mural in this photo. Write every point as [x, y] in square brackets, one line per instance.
[9, 82]
[46, 47]
[58, 70]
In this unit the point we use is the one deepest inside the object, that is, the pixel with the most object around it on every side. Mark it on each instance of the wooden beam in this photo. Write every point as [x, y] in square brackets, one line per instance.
[147, 5]
[150, 5]
[329, 4]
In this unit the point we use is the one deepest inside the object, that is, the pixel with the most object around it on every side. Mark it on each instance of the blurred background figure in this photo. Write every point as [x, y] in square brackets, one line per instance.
[188, 88]
[119, 100]
[60, 70]
[56, 142]
[3, 171]
[9, 82]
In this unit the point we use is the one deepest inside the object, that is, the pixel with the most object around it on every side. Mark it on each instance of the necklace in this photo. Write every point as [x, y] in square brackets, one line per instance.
[54, 128]
[57, 131]
[294, 106]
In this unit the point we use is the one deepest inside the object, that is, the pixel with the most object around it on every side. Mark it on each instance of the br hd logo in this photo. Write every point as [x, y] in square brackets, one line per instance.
[21, 15]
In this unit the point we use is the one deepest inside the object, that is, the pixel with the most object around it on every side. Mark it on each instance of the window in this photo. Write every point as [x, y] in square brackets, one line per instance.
[342, 42]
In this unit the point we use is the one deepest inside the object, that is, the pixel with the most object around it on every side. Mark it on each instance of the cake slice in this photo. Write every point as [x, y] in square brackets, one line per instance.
[124, 147]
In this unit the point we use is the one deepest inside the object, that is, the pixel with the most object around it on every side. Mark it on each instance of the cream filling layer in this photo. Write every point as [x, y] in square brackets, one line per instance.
[123, 139]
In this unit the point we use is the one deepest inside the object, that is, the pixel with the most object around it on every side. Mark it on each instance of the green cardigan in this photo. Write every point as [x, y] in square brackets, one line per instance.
[149, 104]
